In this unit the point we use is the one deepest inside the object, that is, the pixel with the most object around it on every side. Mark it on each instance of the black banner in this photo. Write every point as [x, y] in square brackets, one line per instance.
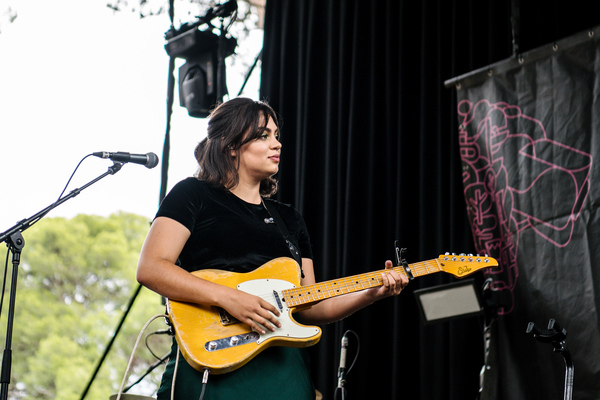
[529, 132]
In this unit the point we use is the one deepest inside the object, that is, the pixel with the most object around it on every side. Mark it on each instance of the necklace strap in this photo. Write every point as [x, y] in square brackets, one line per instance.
[283, 229]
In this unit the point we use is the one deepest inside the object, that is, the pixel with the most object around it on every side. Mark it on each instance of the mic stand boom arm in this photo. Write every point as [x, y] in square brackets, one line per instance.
[15, 242]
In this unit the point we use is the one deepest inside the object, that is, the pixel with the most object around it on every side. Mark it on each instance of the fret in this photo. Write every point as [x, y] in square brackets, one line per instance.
[303, 295]
[319, 291]
[373, 279]
[416, 269]
[362, 283]
[345, 281]
[426, 269]
[289, 297]
[327, 289]
[330, 289]
[336, 288]
[314, 292]
[419, 268]
[356, 280]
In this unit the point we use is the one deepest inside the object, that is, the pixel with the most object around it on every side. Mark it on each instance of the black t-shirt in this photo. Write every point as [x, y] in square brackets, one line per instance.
[228, 233]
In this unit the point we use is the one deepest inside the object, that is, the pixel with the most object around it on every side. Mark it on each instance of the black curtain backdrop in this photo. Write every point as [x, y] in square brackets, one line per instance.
[371, 155]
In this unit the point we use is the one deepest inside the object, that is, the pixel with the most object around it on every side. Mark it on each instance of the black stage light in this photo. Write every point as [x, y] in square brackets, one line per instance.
[197, 84]
[202, 77]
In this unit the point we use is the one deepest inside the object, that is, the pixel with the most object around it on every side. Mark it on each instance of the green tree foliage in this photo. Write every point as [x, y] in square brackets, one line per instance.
[75, 282]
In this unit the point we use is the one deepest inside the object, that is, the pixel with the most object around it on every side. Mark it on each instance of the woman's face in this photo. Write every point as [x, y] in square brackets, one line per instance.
[259, 158]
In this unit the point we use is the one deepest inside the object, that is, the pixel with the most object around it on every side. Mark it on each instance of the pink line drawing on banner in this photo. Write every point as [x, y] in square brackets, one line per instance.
[516, 178]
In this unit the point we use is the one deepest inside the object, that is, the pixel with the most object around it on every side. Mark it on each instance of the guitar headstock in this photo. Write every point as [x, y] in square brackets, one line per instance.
[461, 265]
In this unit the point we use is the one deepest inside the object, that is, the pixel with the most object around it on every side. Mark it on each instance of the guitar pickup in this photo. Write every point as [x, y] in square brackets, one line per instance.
[277, 300]
[231, 341]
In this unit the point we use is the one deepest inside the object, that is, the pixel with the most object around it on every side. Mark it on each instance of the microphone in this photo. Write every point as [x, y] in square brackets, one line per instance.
[148, 160]
[342, 368]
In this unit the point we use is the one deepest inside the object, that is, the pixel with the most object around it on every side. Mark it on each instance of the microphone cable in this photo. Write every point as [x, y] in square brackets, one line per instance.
[71, 177]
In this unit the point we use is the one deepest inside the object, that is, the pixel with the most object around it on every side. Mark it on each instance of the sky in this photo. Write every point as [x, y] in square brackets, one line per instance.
[78, 78]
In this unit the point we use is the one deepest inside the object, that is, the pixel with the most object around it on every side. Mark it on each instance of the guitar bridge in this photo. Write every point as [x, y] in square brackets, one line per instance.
[231, 341]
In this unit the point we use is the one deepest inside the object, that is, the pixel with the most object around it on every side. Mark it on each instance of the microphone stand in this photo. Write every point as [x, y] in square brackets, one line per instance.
[15, 242]
[557, 336]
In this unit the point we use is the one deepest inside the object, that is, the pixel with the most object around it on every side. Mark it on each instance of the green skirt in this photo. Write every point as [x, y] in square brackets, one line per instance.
[276, 373]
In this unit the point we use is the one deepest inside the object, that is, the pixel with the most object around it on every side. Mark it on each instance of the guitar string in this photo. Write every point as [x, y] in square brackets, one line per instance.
[324, 290]
[358, 282]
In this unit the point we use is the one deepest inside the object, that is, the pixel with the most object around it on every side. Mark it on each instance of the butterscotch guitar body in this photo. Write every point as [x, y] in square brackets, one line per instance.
[209, 338]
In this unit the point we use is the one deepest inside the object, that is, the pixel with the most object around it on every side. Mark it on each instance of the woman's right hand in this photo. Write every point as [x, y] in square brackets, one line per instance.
[252, 310]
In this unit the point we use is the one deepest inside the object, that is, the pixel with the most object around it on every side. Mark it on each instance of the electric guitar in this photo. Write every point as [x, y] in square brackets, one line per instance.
[210, 338]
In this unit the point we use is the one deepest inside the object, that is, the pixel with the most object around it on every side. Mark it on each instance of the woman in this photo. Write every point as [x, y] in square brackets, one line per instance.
[219, 220]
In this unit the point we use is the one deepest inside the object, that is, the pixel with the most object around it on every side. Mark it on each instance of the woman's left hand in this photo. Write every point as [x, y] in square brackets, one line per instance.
[393, 282]
[338, 307]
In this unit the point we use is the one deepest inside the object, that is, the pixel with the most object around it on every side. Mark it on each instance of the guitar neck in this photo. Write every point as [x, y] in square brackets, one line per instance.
[305, 295]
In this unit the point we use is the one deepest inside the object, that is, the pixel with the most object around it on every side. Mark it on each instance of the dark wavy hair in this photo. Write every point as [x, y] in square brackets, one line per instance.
[231, 125]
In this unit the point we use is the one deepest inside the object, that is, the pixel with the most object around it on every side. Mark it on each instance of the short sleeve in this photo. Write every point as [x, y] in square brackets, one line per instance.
[182, 203]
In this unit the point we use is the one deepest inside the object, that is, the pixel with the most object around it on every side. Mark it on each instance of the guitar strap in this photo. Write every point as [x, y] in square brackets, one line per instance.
[286, 235]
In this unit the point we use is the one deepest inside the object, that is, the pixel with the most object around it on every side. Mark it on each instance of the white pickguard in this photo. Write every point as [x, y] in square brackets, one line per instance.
[289, 328]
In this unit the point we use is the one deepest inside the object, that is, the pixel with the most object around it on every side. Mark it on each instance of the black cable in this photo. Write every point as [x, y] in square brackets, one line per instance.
[204, 382]
[167, 141]
[148, 371]
[357, 349]
[71, 177]
[258, 57]
[163, 332]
